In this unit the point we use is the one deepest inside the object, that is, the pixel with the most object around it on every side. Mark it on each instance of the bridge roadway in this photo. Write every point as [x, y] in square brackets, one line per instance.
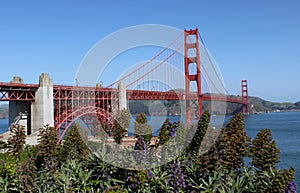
[26, 92]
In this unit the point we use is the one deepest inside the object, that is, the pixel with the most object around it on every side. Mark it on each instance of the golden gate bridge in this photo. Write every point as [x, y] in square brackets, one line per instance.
[169, 75]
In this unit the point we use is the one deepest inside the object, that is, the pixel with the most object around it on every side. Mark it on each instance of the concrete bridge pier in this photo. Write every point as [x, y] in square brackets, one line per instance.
[42, 112]
[120, 102]
[19, 111]
[122, 96]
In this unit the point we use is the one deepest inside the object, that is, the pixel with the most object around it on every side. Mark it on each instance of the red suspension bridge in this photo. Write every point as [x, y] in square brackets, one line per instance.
[182, 71]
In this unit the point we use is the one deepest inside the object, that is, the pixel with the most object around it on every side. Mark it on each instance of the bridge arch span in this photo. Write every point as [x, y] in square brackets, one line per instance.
[66, 119]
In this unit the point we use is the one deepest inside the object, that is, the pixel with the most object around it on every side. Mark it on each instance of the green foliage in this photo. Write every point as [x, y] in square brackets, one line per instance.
[16, 141]
[225, 181]
[208, 162]
[163, 135]
[47, 176]
[180, 134]
[74, 177]
[203, 123]
[121, 124]
[233, 143]
[104, 173]
[142, 128]
[9, 174]
[280, 180]
[3, 145]
[159, 180]
[73, 147]
[115, 189]
[105, 126]
[30, 151]
[148, 180]
[118, 132]
[123, 118]
[209, 140]
[47, 147]
[27, 174]
[264, 152]
[138, 180]
[213, 171]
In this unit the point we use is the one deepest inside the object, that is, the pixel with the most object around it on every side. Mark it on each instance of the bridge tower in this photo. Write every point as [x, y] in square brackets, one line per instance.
[192, 76]
[245, 97]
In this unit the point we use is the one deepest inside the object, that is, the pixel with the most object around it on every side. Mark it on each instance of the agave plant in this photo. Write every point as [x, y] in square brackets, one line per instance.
[74, 177]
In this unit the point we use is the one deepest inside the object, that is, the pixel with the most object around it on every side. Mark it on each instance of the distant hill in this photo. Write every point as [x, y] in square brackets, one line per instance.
[3, 111]
[263, 105]
[173, 107]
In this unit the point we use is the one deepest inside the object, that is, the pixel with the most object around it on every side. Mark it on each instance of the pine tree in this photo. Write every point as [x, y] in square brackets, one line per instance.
[73, 147]
[264, 152]
[118, 132]
[203, 123]
[123, 117]
[17, 140]
[142, 128]
[208, 162]
[208, 159]
[163, 135]
[121, 124]
[47, 147]
[233, 143]
[106, 127]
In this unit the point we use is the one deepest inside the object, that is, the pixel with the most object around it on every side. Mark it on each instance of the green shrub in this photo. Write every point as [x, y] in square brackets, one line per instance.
[17, 140]
[233, 144]
[73, 146]
[264, 152]
[142, 128]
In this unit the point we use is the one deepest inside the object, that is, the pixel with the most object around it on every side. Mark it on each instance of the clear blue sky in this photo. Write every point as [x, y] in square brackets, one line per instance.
[258, 40]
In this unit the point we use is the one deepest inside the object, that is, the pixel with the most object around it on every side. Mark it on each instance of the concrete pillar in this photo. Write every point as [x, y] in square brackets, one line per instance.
[18, 110]
[122, 96]
[42, 112]
[17, 79]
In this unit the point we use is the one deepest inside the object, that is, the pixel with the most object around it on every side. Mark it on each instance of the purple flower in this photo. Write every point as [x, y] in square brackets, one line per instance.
[140, 148]
[176, 179]
[291, 187]
[150, 174]
[172, 130]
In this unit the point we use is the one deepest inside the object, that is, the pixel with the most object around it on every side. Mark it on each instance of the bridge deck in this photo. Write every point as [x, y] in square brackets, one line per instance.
[155, 95]
[26, 92]
[17, 91]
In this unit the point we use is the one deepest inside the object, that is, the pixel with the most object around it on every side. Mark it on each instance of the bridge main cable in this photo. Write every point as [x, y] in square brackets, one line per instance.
[145, 64]
[155, 67]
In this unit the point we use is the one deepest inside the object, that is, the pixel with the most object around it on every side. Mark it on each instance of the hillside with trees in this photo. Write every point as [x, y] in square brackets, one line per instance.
[3, 111]
[174, 107]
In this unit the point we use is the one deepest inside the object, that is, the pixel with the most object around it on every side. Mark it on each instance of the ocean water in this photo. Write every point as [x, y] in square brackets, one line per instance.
[285, 128]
